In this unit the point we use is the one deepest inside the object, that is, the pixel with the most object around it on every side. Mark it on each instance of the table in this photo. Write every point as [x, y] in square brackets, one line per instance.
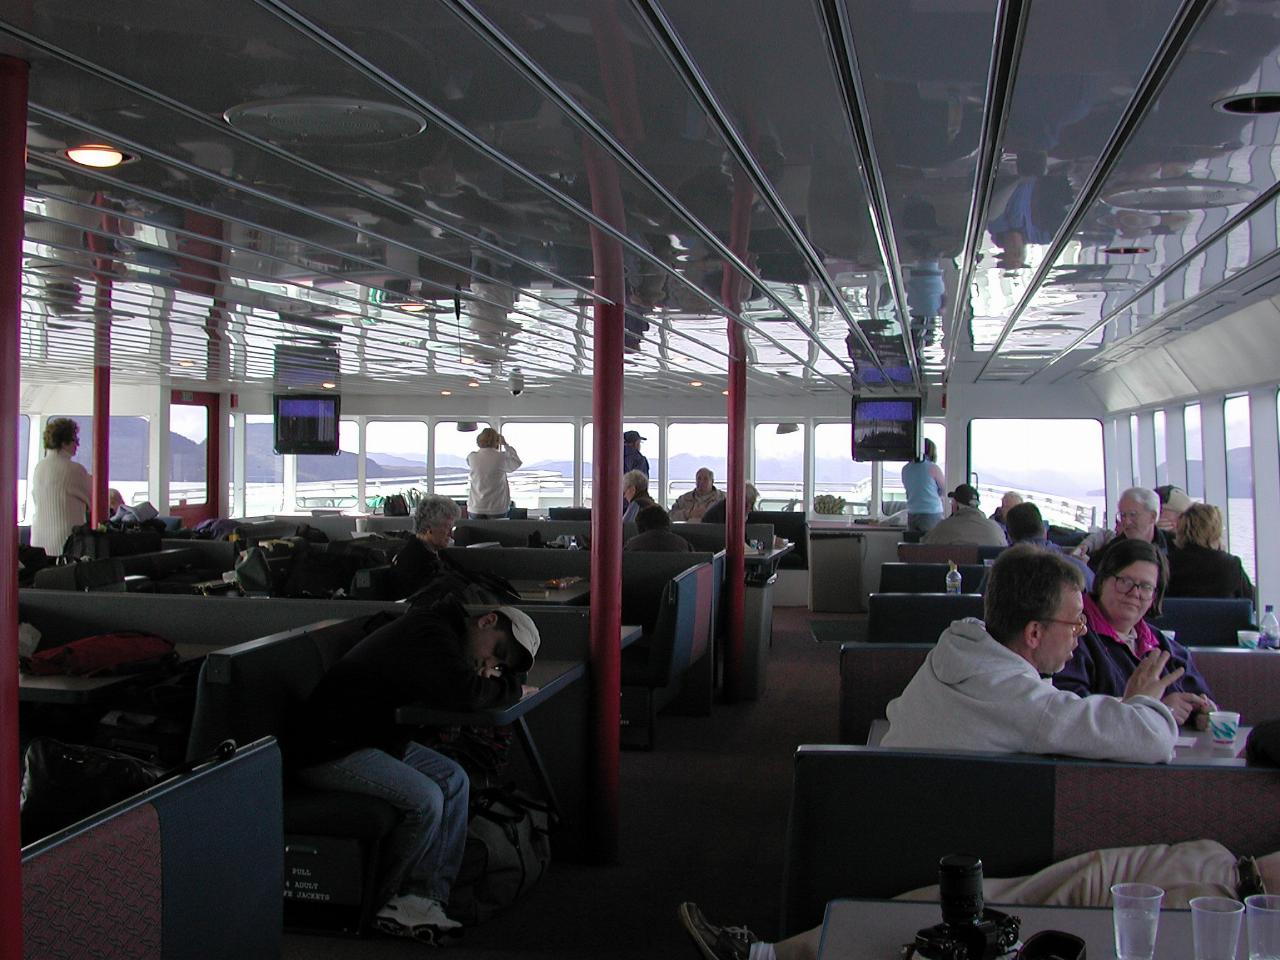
[78, 691]
[1205, 751]
[535, 592]
[877, 929]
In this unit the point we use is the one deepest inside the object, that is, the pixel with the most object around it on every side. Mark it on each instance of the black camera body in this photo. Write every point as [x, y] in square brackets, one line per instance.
[969, 930]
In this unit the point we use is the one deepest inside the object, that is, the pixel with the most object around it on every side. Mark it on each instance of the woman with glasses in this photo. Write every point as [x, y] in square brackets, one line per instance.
[1130, 582]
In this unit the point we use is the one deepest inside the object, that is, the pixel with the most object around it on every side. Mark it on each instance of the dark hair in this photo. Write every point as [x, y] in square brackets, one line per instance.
[1122, 551]
[653, 518]
[1023, 521]
[60, 431]
[1026, 584]
[930, 451]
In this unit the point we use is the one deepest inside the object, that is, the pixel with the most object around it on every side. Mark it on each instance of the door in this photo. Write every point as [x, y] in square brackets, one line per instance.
[194, 457]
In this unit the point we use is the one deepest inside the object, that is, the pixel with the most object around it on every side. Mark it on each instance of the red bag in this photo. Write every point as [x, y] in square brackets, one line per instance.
[126, 651]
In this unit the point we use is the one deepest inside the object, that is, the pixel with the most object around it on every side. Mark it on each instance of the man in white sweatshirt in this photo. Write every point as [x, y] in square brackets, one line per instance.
[985, 686]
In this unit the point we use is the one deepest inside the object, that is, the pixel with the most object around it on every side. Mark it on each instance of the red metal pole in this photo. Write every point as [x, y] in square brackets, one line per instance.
[735, 494]
[606, 500]
[13, 131]
[103, 267]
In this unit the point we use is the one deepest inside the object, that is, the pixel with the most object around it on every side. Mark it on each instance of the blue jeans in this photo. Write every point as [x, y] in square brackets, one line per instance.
[424, 851]
[923, 522]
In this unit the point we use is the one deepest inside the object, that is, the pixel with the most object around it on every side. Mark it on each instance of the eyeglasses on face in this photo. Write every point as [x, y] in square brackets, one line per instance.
[1077, 626]
[1128, 585]
[1134, 514]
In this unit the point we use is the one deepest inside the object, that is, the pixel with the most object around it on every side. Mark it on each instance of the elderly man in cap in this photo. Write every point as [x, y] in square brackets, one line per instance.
[632, 458]
[346, 738]
[967, 524]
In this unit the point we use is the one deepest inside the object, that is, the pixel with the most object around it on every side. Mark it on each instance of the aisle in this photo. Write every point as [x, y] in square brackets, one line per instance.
[703, 818]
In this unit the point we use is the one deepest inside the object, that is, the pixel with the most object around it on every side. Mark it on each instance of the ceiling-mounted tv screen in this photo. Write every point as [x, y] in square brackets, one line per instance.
[886, 428]
[306, 423]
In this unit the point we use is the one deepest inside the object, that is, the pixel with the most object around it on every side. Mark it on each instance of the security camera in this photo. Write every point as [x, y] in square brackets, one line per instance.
[516, 382]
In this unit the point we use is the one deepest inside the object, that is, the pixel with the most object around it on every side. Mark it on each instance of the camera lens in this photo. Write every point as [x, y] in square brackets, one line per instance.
[960, 888]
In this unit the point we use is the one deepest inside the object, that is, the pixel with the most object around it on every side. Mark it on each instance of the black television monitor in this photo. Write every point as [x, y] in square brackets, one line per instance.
[306, 423]
[886, 428]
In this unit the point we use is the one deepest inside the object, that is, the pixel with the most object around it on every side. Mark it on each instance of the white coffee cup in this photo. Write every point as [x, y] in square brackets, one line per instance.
[1247, 639]
[1224, 724]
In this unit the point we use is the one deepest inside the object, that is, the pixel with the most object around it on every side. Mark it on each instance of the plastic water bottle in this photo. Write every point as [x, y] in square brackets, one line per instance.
[1269, 629]
[953, 579]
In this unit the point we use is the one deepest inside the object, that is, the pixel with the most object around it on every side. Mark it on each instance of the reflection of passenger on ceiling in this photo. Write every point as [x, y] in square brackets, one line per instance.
[1031, 209]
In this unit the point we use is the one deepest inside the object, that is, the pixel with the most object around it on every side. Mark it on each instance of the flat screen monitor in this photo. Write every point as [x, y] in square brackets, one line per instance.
[306, 423]
[886, 428]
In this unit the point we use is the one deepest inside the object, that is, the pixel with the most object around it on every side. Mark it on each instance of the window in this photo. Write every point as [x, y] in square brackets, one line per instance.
[1056, 464]
[691, 446]
[188, 454]
[646, 429]
[263, 468]
[835, 473]
[545, 478]
[1135, 456]
[325, 481]
[1162, 454]
[130, 453]
[451, 476]
[24, 440]
[778, 470]
[1240, 536]
[1195, 451]
[395, 456]
[892, 495]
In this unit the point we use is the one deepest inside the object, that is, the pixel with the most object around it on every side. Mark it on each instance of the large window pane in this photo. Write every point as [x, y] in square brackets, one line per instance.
[452, 477]
[1135, 455]
[779, 466]
[691, 446]
[1240, 537]
[893, 497]
[1195, 451]
[1162, 453]
[545, 478]
[395, 456]
[263, 467]
[325, 481]
[836, 473]
[130, 456]
[647, 429]
[24, 440]
[188, 454]
[1056, 464]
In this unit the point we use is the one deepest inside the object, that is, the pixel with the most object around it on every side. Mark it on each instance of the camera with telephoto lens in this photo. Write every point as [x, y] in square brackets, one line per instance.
[969, 929]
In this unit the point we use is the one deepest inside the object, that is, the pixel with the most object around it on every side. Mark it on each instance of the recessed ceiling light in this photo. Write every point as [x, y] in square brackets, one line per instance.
[328, 384]
[695, 383]
[1125, 251]
[413, 307]
[186, 363]
[468, 360]
[1250, 104]
[724, 393]
[446, 393]
[473, 383]
[98, 155]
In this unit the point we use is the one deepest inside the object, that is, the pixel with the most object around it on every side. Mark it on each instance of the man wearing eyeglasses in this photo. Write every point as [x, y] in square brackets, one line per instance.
[1136, 516]
[985, 685]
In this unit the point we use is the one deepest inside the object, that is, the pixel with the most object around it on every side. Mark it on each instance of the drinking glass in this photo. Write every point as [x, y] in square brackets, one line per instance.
[1135, 914]
[1215, 927]
[1262, 913]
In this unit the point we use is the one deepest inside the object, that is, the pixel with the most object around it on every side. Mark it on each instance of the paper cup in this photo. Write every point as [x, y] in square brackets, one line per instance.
[1247, 639]
[1223, 724]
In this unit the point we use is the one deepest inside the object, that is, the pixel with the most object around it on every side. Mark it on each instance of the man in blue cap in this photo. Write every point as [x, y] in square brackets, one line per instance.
[632, 458]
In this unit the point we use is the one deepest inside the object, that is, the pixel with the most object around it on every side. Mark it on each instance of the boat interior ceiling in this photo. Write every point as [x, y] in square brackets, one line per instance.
[400, 198]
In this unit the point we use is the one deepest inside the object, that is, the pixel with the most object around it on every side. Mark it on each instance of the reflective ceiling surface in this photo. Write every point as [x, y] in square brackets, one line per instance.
[400, 196]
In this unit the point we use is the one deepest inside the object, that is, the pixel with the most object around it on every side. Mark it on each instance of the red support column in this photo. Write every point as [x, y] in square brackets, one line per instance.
[735, 532]
[103, 268]
[606, 500]
[13, 132]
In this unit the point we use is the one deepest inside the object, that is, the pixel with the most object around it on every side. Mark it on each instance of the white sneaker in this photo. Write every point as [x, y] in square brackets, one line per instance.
[409, 915]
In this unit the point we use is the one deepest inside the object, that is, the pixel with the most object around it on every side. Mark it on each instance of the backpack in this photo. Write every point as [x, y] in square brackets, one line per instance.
[508, 849]
[125, 651]
[395, 505]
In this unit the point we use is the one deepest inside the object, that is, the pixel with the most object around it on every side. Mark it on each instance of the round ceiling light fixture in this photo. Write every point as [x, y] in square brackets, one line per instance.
[100, 156]
[1178, 193]
[327, 121]
[1250, 104]
[1125, 251]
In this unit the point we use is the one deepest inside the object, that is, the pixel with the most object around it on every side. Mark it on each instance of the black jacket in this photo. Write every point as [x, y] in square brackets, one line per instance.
[1204, 572]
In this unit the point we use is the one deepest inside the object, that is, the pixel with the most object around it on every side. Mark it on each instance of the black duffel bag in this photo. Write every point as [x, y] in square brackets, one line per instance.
[507, 852]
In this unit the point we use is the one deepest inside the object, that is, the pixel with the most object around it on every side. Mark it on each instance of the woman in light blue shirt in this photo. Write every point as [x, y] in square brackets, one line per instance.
[925, 487]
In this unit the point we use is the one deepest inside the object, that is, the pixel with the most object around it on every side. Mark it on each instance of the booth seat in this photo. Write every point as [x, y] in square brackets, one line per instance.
[917, 617]
[928, 577]
[872, 822]
[1205, 621]
[191, 867]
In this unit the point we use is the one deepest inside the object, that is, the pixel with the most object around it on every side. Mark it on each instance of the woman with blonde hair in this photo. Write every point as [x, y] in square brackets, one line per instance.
[490, 496]
[1198, 566]
[60, 487]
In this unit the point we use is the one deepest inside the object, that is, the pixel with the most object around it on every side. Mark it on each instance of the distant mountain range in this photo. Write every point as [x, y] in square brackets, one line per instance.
[130, 461]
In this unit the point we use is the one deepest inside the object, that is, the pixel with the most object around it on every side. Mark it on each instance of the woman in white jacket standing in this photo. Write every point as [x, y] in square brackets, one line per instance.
[490, 497]
[60, 487]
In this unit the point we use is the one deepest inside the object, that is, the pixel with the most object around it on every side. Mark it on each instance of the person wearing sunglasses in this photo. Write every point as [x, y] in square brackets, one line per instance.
[1128, 584]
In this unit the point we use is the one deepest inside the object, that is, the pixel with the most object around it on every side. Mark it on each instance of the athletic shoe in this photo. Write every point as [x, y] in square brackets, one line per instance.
[421, 918]
[716, 943]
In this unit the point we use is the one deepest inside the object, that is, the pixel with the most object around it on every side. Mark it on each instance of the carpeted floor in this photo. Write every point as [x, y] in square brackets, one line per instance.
[703, 819]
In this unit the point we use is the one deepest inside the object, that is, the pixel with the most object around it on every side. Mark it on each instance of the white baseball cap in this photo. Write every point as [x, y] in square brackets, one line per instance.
[525, 632]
